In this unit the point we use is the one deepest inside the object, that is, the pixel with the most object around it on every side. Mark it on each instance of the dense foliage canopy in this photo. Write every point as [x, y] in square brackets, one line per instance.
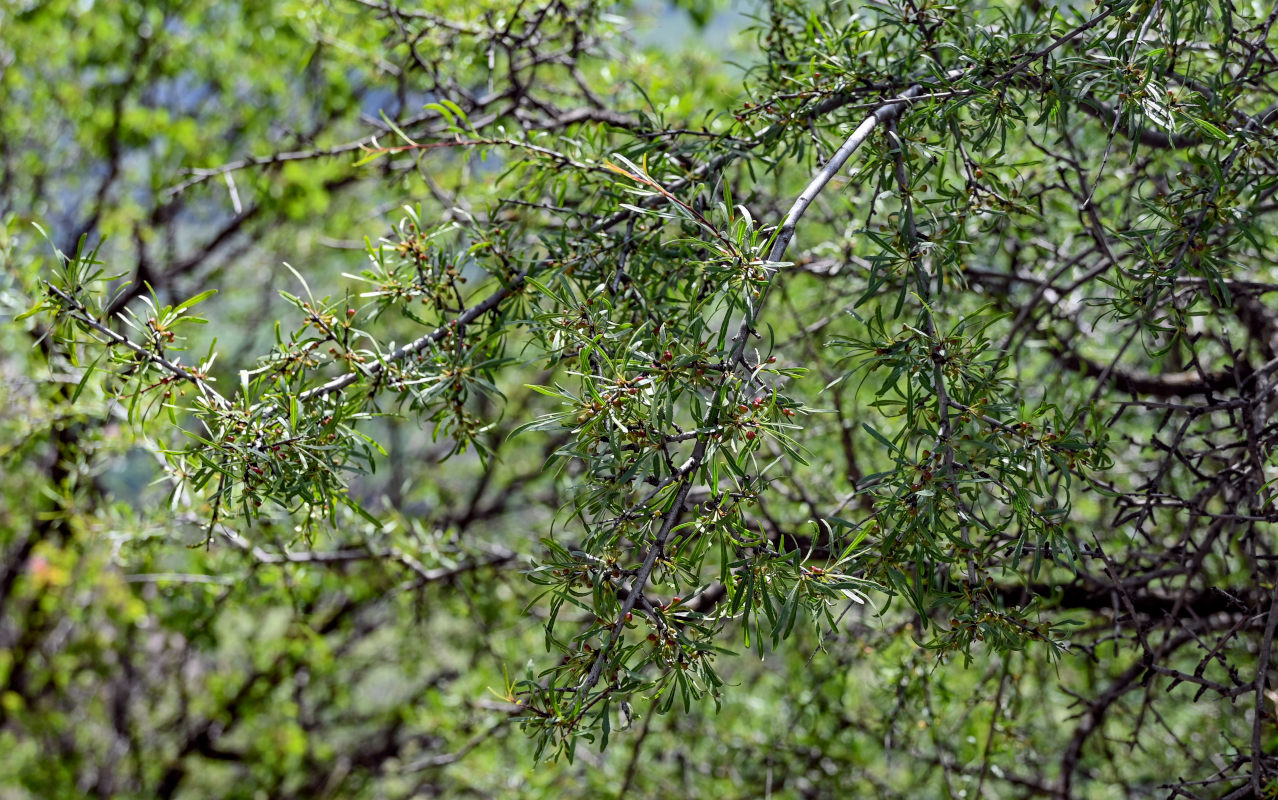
[549, 397]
